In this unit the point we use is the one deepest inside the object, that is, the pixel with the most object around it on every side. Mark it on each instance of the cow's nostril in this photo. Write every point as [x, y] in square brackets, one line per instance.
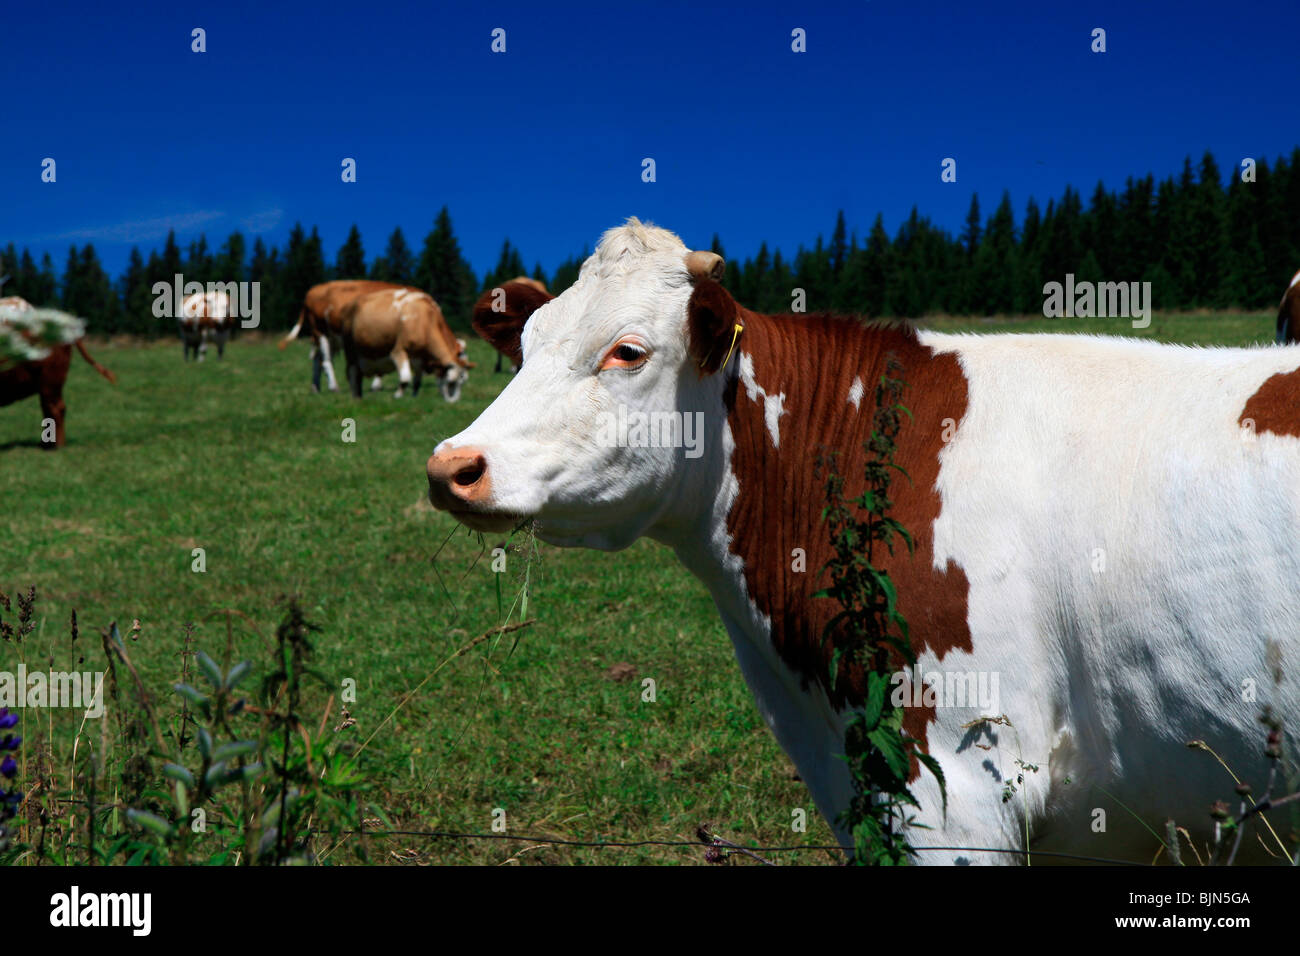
[458, 477]
[471, 473]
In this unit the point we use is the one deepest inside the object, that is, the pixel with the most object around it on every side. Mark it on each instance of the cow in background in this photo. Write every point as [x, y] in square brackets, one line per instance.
[404, 329]
[29, 366]
[1288, 314]
[507, 305]
[321, 317]
[205, 316]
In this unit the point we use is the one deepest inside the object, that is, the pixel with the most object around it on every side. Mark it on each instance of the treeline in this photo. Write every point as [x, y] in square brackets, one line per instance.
[284, 275]
[1199, 243]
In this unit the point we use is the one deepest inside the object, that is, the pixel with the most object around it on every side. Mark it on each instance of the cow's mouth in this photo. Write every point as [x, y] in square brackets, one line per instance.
[451, 389]
[490, 522]
[451, 379]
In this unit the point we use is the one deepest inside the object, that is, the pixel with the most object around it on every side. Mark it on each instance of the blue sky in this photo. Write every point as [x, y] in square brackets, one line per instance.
[544, 143]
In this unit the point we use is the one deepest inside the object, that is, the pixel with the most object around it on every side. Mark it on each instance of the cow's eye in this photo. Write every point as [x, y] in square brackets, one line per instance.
[625, 355]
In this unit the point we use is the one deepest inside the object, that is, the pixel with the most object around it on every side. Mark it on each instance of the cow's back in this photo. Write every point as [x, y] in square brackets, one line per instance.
[328, 301]
[1132, 547]
[371, 322]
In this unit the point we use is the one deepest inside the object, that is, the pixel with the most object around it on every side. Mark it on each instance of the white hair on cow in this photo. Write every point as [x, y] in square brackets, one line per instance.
[624, 248]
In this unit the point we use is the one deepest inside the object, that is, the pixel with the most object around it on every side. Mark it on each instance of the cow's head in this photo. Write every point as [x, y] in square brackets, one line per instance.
[451, 377]
[502, 311]
[444, 355]
[560, 443]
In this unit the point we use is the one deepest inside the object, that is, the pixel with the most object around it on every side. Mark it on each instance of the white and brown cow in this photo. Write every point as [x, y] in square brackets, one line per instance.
[35, 355]
[321, 319]
[1108, 528]
[205, 316]
[508, 306]
[1288, 313]
[402, 329]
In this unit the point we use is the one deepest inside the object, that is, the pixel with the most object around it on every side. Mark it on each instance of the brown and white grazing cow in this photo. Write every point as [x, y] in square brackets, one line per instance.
[404, 329]
[1288, 313]
[205, 316]
[31, 366]
[502, 306]
[320, 315]
[1107, 536]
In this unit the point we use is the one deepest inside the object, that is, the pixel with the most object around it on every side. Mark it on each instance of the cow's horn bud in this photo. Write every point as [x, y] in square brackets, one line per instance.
[705, 265]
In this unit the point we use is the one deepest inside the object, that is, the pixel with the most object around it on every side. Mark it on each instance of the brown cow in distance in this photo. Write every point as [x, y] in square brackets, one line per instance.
[321, 314]
[43, 376]
[1288, 314]
[508, 306]
[404, 329]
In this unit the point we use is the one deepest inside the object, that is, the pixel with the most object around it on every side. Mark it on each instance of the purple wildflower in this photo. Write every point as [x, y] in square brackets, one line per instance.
[9, 797]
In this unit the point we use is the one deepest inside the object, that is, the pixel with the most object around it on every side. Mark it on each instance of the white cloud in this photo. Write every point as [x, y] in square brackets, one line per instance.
[262, 221]
[138, 230]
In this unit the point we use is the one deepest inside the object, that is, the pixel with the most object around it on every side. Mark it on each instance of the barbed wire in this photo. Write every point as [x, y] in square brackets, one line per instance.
[722, 845]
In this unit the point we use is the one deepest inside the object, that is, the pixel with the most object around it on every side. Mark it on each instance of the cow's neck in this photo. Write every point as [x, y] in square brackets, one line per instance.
[788, 395]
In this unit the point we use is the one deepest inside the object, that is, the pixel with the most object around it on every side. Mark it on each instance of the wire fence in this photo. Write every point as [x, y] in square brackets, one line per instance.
[716, 848]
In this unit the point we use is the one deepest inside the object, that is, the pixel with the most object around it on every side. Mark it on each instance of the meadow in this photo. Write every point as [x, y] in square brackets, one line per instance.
[239, 458]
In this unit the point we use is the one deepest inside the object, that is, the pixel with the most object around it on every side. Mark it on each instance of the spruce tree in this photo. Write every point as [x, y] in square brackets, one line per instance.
[839, 248]
[304, 267]
[1029, 278]
[444, 273]
[970, 236]
[171, 263]
[137, 297]
[509, 266]
[397, 264]
[993, 289]
[351, 260]
[877, 267]
[88, 292]
[230, 260]
[566, 273]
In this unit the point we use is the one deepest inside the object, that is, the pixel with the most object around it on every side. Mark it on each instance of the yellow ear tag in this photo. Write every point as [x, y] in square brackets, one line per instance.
[735, 334]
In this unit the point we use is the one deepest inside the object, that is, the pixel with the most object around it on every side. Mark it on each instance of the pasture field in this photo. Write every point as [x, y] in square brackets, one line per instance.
[239, 458]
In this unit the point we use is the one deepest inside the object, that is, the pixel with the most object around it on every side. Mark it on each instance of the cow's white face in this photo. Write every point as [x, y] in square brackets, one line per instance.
[611, 349]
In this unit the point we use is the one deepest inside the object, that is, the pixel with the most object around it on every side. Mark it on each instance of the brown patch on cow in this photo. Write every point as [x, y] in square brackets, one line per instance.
[504, 330]
[813, 360]
[45, 378]
[323, 302]
[1275, 406]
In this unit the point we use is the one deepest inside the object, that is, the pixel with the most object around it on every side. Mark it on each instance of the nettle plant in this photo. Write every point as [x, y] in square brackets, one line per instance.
[1280, 841]
[870, 628]
[210, 773]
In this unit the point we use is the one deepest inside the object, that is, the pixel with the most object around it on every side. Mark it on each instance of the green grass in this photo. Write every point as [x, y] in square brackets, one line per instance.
[241, 459]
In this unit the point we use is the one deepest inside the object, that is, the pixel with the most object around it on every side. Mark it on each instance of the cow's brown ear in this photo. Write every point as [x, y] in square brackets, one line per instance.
[501, 313]
[705, 265]
[714, 325]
